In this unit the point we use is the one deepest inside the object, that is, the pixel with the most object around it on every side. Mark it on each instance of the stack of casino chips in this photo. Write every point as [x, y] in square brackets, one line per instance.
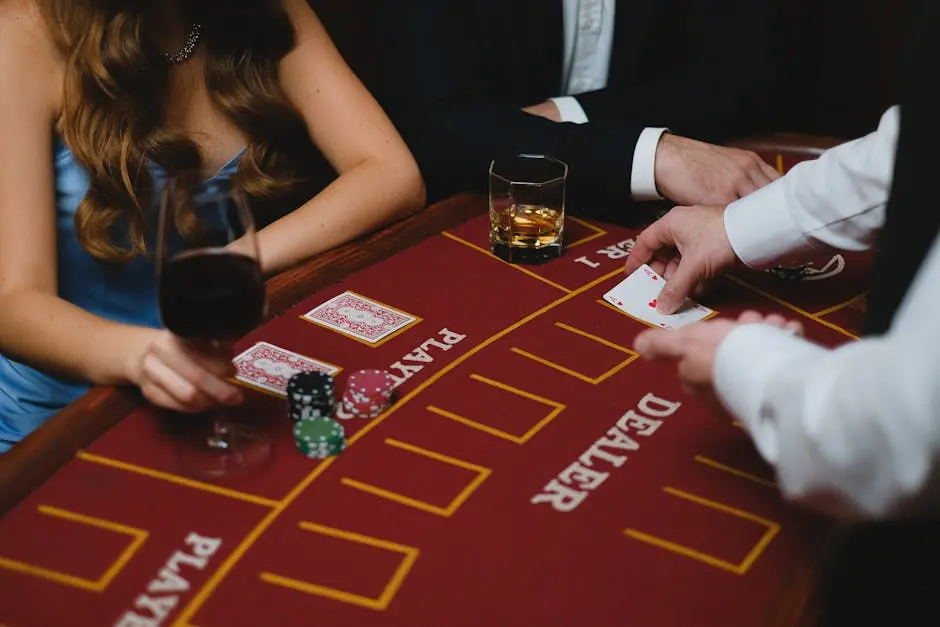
[368, 393]
[310, 395]
[310, 400]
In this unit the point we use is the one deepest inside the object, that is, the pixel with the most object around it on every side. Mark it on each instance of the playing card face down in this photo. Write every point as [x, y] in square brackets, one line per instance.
[637, 296]
[270, 367]
[359, 317]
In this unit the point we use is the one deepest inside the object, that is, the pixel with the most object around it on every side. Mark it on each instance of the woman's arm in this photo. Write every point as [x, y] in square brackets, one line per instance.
[378, 178]
[36, 326]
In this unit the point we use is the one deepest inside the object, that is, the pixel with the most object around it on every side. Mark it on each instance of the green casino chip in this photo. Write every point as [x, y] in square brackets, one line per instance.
[321, 450]
[318, 430]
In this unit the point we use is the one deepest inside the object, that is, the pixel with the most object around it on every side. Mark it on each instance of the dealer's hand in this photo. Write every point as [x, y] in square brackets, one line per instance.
[687, 246]
[694, 347]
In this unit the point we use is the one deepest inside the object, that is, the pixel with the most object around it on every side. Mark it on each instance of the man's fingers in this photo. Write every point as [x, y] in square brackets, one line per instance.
[656, 236]
[770, 171]
[678, 288]
[670, 270]
[657, 344]
[749, 317]
[750, 182]
[759, 177]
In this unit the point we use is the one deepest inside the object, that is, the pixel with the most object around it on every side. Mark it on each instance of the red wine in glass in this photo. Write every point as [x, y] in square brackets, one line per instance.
[211, 293]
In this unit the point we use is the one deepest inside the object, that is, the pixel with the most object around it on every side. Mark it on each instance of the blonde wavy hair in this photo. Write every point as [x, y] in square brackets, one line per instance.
[114, 102]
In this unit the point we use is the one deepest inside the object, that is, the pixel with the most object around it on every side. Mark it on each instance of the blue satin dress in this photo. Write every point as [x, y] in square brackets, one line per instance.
[123, 292]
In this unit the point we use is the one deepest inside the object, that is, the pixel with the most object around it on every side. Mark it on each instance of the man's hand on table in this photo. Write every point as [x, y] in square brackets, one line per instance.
[694, 348]
[690, 172]
[688, 246]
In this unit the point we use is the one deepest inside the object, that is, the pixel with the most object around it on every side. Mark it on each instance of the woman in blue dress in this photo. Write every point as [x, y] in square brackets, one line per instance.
[100, 101]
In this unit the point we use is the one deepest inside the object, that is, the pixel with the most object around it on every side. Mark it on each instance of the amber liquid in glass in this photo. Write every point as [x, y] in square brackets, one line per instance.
[526, 233]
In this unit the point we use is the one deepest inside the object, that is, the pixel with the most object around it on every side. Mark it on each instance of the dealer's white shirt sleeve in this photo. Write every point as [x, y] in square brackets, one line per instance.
[589, 40]
[855, 431]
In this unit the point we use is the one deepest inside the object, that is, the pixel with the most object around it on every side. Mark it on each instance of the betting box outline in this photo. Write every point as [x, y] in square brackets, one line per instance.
[557, 408]
[632, 356]
[741, 568]
[447, 511]
[701, 459]
[138, 537]
[388, 593]
[848, 303]
[277, 507]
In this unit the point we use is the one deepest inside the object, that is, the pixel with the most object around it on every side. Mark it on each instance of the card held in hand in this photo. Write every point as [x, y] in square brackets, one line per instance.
[637, 296]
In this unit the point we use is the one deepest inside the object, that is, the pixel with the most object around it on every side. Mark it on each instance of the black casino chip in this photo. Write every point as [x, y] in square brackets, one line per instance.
[789, 274]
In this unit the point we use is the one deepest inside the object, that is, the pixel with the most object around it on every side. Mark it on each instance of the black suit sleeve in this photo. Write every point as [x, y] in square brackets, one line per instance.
[437, 84]
[717, 71]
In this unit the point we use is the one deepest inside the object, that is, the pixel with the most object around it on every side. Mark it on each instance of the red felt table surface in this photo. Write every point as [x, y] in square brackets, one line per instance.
[428, 518]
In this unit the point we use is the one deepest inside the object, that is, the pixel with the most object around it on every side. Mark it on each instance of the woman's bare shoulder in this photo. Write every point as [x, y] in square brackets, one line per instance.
[27, 49]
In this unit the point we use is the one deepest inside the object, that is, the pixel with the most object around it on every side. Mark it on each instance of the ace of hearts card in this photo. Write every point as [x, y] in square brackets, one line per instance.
[637, 297]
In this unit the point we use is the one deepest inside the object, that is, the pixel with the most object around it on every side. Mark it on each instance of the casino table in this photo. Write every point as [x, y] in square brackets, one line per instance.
[533, 469]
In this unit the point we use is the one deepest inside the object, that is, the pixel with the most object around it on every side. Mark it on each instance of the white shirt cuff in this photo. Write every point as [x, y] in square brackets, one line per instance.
[746, 362]
[762, 230]
[643, 174]
[570, 110]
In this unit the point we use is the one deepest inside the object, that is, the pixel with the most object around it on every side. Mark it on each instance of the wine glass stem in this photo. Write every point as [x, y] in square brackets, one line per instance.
[220, 415]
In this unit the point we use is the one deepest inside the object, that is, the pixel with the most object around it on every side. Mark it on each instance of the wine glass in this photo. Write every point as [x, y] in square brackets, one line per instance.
[211, 293]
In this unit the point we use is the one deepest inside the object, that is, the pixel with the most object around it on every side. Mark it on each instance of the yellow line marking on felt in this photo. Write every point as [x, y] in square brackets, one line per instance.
[557, 408]
[219, 575]
[183, 481]
[453, 506]
[382, 602]
[835, 308]
[578, 375]
[598, 232]
[138, 536]
[210, 586]
[516, 267]
[780, 164]
[734, 471]
[740, 568]
[792, 307]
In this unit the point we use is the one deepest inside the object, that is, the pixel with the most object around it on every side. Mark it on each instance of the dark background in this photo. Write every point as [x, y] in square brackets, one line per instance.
[841, 58]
